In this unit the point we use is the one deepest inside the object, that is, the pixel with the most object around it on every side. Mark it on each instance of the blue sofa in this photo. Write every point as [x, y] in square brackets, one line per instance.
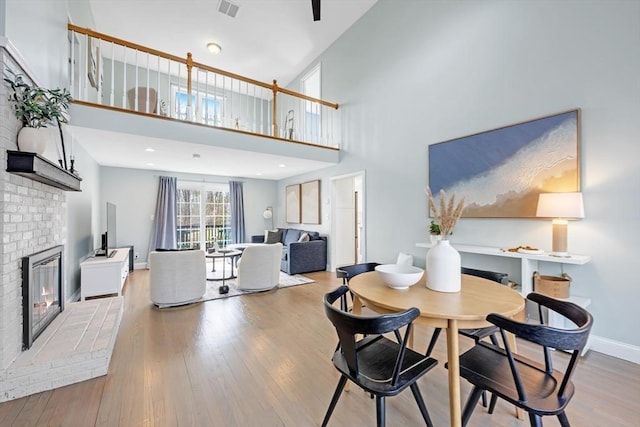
[300, 257]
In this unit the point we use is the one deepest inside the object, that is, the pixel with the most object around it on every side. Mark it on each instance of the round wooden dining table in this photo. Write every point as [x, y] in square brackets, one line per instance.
[458, 310]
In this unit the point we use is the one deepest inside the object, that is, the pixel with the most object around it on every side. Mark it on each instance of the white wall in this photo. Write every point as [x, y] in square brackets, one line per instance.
[134, 192]
[428, 72]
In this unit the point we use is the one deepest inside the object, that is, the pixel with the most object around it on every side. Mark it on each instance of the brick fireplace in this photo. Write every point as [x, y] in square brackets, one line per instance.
[77, 344]
[34, 219]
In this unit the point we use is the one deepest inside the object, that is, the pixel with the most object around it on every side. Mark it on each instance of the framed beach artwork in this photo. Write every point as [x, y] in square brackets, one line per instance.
[501, 172]
[310, 200]
[292, 199]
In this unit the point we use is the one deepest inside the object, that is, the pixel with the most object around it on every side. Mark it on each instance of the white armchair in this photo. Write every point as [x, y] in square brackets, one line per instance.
[177, 277]
[259, 267]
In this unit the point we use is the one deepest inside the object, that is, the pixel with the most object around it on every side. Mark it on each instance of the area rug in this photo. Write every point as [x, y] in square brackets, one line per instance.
[285, 281]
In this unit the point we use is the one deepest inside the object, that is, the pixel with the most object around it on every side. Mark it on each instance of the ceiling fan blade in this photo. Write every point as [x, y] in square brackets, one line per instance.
[315, 4]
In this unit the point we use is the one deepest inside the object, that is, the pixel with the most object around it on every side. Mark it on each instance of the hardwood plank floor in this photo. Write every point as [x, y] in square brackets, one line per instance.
[264, 360]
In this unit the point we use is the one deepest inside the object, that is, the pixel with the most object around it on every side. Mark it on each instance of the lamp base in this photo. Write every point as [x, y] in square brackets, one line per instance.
[559, 241]
[560, 254]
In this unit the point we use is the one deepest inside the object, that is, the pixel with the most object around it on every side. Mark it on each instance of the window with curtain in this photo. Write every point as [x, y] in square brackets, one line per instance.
[204, 216]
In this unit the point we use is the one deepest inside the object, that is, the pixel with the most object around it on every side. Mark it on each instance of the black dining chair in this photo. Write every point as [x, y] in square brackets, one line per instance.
[379, 365]
[476, 334]
[347, 272]
[533, 385]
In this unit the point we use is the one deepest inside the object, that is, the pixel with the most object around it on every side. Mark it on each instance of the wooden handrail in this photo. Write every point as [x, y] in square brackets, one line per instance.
[274, 87]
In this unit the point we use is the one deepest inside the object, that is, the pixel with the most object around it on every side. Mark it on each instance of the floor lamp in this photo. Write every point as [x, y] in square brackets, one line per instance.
[268, 217]
[560, 207]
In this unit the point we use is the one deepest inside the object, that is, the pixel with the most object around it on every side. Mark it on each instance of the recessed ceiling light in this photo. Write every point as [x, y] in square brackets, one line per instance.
[196, 156]
[150, 150]
[258, 173]
[282, 165]
[214, 48]
[149, 164]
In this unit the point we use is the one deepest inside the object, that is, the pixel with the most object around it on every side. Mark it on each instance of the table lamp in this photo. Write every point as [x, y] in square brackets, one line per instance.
[560, 207]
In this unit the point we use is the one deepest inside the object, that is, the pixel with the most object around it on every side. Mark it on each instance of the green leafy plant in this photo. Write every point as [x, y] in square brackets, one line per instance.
[35, 106]
[434, 228]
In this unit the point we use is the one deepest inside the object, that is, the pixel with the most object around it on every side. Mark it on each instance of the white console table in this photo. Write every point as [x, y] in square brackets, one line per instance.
[104, 275]
[528, 265]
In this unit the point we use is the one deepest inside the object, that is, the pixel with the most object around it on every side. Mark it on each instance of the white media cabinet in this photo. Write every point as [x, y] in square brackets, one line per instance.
[104, 275]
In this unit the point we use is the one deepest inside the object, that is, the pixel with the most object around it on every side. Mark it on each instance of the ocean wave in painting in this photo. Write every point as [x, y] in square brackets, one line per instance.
[550, 155]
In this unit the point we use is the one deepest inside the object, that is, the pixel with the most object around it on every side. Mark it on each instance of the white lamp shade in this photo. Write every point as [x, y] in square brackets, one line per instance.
[267, 214]
[560, 205]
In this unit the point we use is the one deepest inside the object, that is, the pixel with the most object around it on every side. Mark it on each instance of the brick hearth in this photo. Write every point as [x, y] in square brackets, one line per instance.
[75, 347]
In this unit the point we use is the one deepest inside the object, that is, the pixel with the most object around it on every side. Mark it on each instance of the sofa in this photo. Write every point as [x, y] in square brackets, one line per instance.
[302, 251]
[177, 277]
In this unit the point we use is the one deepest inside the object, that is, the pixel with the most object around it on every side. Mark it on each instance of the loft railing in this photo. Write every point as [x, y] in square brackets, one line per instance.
[111, 72]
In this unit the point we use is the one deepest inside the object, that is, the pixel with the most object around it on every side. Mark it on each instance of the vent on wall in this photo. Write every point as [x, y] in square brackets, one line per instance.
[228, 8]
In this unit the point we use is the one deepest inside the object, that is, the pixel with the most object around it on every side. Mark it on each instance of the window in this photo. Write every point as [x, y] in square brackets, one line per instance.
[311, 87]
[207, 108]
[203, 207]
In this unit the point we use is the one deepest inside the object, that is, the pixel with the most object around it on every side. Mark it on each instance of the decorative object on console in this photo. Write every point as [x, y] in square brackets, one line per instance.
[37, 107]
[501, 172]
[443, 261]
[561, 207]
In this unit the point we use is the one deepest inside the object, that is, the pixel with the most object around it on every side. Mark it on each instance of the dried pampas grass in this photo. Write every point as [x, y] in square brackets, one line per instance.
[446, 213]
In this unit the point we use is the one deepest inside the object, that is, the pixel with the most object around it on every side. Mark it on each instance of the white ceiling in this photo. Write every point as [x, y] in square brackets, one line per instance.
[267, 40]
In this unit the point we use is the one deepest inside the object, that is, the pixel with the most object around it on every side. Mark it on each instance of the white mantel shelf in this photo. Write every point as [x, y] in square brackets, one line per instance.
[528, 262]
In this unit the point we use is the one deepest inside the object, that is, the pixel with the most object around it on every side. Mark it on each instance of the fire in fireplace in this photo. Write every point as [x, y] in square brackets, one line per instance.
[42, 298]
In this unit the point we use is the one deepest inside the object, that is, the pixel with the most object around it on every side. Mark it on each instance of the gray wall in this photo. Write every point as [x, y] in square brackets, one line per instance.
[134, 193]
[428, 72]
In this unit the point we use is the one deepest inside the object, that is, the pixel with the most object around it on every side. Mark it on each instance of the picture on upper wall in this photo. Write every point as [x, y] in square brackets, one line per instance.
[501, 172]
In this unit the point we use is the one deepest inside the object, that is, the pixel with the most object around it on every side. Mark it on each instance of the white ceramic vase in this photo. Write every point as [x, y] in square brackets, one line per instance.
[443, 268]
[33, 140]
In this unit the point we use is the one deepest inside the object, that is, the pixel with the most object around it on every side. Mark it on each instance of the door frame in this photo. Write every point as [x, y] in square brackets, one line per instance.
[362, 236]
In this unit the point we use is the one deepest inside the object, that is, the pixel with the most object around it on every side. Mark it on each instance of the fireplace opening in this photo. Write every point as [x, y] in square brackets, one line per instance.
[42, 298]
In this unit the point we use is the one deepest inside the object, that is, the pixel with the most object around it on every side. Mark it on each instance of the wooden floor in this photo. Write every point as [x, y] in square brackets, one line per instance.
[264, 360]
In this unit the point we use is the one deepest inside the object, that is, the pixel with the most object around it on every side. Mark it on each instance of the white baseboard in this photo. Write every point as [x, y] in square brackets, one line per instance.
[139, 265]
[613, 348]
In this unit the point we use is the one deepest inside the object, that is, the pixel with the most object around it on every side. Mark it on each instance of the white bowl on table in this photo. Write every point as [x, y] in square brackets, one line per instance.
[399, 276]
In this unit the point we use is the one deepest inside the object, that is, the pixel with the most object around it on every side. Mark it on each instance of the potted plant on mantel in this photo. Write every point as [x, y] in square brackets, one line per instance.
[36, 108]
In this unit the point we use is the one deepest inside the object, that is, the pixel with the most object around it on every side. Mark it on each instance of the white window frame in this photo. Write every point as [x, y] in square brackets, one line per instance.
[312, 112]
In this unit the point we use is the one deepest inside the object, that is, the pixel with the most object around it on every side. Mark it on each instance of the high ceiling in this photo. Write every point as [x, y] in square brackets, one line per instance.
[266, 40]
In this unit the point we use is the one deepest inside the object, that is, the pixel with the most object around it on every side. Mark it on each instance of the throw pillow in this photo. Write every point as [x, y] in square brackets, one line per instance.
[304, 237]
[273, 237]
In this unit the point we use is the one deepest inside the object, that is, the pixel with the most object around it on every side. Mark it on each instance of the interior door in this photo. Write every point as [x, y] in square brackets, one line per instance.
[344, 221]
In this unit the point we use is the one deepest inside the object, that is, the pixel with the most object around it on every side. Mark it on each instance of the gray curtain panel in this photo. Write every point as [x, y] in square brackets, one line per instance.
[236, 205]
[164, 233]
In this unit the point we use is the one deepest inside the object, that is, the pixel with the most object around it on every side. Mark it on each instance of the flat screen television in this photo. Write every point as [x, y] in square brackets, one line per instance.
[111, 229]
[109, 237]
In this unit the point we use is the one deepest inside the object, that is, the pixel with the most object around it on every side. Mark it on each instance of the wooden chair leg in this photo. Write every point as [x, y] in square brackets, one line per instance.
[423, 408]
[564, 421]
[334, 399]
[492, 403]
[434, 339]
[535, 420]
[380, 411]
[472, 401]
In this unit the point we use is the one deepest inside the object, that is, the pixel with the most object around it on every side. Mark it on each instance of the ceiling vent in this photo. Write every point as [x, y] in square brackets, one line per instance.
[228, 8]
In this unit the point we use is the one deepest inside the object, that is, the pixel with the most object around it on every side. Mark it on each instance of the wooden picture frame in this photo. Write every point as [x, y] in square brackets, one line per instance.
[501, 172]
[310, 199]
[292, 200]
